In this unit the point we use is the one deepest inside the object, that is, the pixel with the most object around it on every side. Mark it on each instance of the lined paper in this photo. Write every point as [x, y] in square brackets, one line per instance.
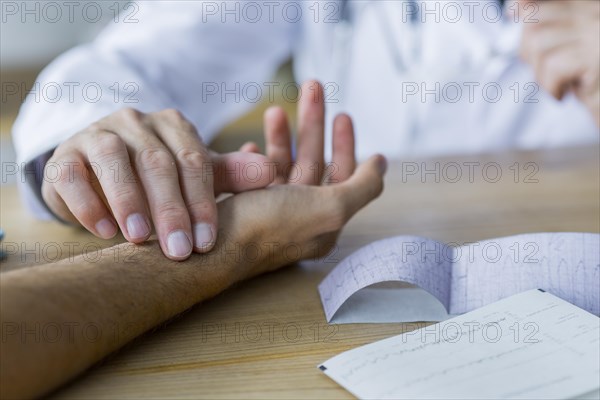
[530, 345]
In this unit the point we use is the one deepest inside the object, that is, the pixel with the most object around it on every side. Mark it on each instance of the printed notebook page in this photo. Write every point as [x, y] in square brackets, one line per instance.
[530, 345]
[564, 264]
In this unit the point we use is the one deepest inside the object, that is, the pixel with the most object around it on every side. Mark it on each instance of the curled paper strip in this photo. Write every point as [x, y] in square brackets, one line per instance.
[464, 278]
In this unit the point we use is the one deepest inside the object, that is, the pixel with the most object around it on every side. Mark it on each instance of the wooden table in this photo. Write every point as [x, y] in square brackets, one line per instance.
[264, 338]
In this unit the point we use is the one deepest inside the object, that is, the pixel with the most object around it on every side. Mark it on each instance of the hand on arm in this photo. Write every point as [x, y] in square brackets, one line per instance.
[126, 298]
[563, 48]
[131, 170]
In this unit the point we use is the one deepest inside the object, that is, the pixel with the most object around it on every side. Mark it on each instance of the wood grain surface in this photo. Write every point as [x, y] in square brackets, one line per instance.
[265, 337]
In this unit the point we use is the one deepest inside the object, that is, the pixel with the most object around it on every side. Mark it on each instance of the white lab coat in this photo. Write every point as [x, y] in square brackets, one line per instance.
[179, 52]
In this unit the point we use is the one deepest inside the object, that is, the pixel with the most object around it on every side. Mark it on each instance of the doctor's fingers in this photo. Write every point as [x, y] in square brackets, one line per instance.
[156, 168]
[537, 42]
[194, 165]
[560, 71]
[310, 160]
[555, 12]
[109, 160]
[545, 52]
[68, 192]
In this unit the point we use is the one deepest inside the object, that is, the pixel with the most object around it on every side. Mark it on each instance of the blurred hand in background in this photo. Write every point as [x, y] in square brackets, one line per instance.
[563, 47]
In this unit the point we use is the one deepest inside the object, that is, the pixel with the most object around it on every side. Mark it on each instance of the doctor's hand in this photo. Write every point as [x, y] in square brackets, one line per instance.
[132, 170]
[563, 48]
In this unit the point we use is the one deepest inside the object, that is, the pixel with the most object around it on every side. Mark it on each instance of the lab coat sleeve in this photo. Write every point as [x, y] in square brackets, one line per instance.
[190, 55]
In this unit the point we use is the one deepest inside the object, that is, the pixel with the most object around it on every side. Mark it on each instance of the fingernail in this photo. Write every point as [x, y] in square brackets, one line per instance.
[178, 244]
[382, 164]
[203, 236]
[106, 228]
[137, 227]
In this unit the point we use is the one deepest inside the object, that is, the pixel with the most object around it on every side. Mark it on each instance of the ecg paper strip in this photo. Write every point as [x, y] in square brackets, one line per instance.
[463, 278]
[393, 259]
[564, 264]
[530, 345]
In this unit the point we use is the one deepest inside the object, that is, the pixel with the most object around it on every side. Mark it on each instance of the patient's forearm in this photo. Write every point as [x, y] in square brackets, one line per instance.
[59, 319]
[99, 306]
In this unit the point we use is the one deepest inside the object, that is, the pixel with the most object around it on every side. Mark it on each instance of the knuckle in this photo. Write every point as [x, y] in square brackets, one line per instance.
[153, 159]
[63, 172]
[106, 144]
[171, 209]
[84, 213]
[172, 114]
[177, 119]
[202, 209]
[130, 114]
[192, 159]
[93, 128]
[122, 196]
[68, 146]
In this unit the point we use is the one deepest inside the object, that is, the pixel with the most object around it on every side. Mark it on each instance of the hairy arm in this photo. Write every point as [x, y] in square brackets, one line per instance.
[58, 319]
[97, 307]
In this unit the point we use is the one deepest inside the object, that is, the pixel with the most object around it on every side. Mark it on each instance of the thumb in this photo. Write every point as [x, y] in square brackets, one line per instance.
[365, 185]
